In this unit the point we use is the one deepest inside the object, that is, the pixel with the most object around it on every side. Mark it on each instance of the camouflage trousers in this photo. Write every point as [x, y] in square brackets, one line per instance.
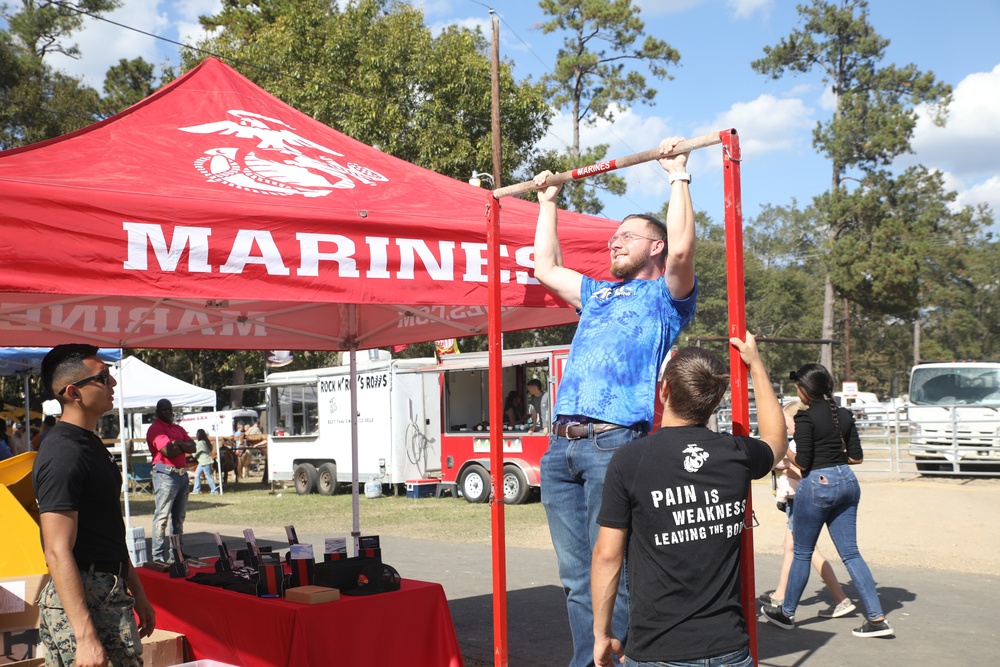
[110, 605]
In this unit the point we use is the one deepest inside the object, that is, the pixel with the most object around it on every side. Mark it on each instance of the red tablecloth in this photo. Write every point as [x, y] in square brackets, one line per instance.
[411, 626]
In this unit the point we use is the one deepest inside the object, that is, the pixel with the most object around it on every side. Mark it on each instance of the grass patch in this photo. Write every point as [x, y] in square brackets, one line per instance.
[443, 519]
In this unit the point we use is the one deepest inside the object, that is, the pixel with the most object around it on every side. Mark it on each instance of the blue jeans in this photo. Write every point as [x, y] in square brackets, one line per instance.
[170, 491]
[740, 658]
[829, 496]
[207, 470]
[572, 491]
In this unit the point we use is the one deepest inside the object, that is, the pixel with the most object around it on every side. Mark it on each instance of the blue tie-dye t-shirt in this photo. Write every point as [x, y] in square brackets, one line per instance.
[625, 331]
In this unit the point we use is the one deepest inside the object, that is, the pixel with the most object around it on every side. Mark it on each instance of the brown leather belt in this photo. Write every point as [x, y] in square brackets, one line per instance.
[578, 431]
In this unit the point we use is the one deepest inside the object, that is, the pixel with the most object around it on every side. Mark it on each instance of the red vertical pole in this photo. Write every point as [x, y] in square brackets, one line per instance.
[737, 369]
[496, 437]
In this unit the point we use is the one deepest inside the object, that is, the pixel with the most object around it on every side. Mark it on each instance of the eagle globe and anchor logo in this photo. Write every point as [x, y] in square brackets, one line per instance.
[281, 163]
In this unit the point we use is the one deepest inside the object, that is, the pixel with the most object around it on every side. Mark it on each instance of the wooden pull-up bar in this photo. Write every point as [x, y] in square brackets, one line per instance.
[684, 146]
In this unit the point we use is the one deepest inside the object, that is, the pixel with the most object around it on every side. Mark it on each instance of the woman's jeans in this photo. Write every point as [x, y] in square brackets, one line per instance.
[207, 471]
[740, 658]
[829, 496]
[572, 491]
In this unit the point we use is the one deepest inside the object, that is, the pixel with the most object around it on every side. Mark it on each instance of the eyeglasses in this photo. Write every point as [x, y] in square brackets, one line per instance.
[627, 237]
[104, 377]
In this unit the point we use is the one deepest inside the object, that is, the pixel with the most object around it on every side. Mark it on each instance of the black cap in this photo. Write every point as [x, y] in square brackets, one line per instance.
[375, 577]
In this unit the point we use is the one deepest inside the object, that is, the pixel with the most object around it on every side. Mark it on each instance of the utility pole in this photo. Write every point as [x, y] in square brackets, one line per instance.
[495, 98]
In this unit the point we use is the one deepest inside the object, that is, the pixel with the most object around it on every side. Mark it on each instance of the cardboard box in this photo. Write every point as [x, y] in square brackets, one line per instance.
[312, 594]
[163, 649]
[160, 649]
[19, 601]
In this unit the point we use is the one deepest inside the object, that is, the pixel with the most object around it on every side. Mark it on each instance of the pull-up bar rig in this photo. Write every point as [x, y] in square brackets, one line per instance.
[738, 372]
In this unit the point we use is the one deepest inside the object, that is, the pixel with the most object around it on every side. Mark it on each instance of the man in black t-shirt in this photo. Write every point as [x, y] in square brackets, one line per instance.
[677, 500]
[86, 609]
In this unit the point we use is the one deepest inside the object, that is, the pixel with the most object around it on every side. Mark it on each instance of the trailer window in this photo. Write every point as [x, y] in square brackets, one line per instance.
[298, 411]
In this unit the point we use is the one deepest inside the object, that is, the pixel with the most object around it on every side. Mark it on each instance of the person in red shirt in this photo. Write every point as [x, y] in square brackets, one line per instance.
[169, 444]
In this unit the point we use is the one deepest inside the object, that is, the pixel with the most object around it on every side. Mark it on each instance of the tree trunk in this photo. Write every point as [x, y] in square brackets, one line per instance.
[236, 395]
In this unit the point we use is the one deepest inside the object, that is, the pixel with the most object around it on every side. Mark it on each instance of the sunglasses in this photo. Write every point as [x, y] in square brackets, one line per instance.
[104, 377]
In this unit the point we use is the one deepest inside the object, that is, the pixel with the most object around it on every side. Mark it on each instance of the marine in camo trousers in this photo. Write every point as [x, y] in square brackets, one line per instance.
[110, 606]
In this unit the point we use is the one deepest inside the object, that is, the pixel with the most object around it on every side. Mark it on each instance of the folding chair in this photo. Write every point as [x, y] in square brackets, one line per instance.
[141, 477]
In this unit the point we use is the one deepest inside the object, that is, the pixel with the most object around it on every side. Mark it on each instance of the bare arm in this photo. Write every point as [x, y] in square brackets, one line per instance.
[770, 418]
[678, 271]
[175, 447]
[143, 607]
[59, 536]
[549, 269]
[605, 572]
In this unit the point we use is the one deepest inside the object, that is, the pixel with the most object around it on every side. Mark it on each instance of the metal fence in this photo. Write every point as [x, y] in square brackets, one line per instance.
[890, 448]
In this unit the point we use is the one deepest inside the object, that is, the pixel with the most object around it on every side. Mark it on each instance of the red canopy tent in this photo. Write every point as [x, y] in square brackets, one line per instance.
[212, 215]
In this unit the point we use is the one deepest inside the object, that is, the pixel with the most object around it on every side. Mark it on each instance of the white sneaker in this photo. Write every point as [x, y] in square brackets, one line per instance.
[837, 610]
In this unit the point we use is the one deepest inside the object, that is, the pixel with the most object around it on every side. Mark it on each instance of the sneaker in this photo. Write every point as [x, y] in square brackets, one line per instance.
[874, 629]
[837, 610]
[773, 614]
[768, 599]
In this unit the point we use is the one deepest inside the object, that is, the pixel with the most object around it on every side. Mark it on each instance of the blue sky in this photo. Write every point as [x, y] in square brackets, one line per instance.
[713, 88]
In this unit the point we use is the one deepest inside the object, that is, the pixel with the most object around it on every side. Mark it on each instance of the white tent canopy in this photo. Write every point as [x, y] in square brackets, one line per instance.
[141, 386]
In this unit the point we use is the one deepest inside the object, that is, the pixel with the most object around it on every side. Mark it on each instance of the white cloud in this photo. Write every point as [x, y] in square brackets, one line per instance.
[987, 192]
[189, 31]
[828, 100]
[965, 149]
[630, 133]
[192, 9]
[765, 124]
[103, 44]
[744, 9]
[968, 144]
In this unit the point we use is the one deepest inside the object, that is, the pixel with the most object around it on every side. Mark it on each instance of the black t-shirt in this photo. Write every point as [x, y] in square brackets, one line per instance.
[681, 494]
[75, 472]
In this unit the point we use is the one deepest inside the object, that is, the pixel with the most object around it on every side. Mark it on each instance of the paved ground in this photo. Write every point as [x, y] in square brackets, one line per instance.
[932, 546]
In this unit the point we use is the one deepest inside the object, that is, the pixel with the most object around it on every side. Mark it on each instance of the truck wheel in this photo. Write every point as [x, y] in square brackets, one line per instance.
[515, 485]
[326, 482]
[305, 478]
[475, 484]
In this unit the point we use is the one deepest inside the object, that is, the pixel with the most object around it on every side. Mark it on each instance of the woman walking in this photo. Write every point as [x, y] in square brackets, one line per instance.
[827, 444]
[786, 484]
[203, 454]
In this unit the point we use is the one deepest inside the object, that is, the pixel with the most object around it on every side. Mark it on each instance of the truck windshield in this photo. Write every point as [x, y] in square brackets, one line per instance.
[972, 385]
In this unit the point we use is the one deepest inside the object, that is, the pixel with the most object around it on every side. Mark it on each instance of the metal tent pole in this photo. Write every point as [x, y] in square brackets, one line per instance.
[738, 372]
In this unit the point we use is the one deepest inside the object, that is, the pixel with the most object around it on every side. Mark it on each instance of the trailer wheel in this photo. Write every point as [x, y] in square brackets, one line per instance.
[326, 482]
[305, 478]
[515, 485]
[475, 484]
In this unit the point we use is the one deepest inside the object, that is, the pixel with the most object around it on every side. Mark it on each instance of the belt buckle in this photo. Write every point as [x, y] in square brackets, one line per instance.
[571, 425]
